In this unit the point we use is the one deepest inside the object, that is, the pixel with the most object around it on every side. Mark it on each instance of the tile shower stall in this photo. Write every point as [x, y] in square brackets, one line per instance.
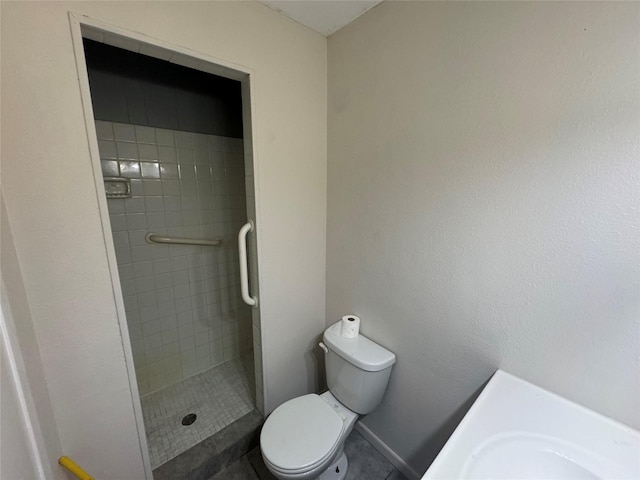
[191, 334]
[183, 303]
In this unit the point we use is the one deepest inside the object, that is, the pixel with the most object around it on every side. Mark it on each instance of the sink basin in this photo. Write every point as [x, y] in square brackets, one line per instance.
[518, 431]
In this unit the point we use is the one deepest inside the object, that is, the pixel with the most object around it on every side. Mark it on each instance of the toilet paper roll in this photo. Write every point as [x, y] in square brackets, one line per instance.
[350, 326]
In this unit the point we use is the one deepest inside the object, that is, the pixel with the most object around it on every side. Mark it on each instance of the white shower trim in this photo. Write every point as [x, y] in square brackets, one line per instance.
[29, 420]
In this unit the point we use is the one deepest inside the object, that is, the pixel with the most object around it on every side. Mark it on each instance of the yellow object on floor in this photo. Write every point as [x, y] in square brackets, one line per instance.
[74, 468]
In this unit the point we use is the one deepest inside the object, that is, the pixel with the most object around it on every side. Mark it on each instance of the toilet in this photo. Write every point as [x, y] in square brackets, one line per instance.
[304, 437]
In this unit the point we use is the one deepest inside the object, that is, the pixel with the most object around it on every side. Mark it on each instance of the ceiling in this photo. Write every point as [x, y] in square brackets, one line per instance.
[323, 16]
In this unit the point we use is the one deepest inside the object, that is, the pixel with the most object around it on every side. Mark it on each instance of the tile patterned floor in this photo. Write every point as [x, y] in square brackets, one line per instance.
[219, 396]
[365, 463]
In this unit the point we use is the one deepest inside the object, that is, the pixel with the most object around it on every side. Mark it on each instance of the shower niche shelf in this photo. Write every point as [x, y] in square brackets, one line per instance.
[117, 187]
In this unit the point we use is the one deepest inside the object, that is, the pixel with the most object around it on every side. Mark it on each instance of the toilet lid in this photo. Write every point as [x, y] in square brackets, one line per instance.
[300, 433]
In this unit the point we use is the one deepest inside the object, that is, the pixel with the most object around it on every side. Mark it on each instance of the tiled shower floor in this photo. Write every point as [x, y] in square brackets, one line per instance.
[219, 396]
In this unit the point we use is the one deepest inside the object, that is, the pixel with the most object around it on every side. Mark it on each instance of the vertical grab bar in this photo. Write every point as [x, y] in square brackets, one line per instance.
[244, 276]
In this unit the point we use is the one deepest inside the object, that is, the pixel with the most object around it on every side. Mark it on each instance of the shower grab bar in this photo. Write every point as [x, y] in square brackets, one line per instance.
[244, 276]
[74, 468]
[153, 238]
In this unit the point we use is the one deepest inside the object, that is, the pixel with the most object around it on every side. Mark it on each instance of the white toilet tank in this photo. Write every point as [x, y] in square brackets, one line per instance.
[357, 370]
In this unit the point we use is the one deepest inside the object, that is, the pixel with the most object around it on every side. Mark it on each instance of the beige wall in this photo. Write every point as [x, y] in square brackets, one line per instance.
[483, 164]
[51, 201]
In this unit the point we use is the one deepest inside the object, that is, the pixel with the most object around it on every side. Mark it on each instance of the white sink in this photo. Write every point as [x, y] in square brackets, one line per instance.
[517, 431]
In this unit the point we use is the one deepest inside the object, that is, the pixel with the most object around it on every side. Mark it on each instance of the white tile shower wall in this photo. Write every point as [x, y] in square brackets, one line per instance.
[183, 305]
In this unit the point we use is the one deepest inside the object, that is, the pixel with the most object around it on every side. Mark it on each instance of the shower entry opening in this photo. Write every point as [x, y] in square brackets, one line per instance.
[175, 178]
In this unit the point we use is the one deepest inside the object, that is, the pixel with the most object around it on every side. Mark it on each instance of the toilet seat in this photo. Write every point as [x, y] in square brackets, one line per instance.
[301, 435]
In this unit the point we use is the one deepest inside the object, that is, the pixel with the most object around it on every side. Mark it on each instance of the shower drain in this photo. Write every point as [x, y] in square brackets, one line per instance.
[189, 419]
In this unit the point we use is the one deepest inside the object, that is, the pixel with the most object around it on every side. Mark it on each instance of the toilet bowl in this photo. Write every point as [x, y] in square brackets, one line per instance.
[304, 437]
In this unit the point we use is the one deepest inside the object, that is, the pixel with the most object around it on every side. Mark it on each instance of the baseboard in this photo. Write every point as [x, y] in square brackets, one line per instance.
[386, 452]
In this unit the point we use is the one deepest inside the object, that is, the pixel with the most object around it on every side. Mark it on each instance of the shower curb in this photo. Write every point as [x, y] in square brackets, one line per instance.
[212, 455]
